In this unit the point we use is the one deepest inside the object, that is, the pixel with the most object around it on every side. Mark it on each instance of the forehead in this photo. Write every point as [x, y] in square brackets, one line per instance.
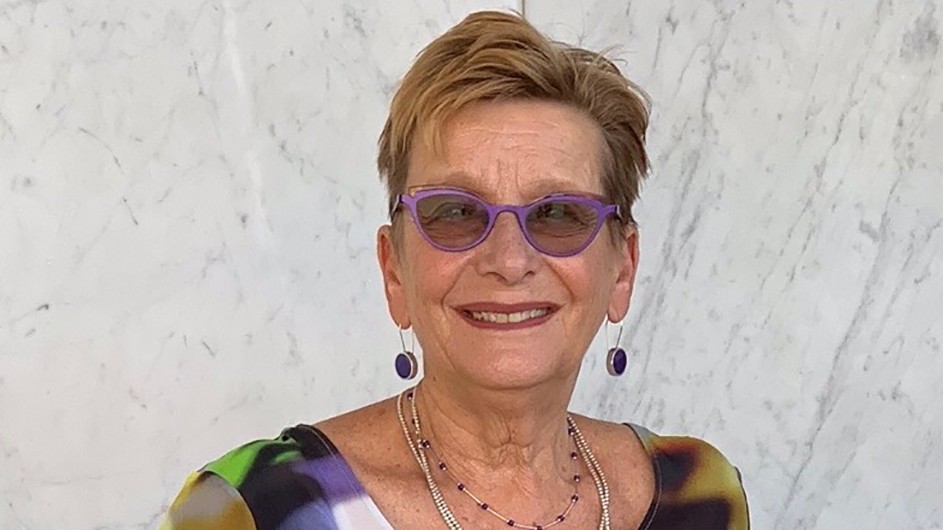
[513, 150]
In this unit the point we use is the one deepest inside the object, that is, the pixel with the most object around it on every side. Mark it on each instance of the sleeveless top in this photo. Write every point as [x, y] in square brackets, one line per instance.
[299, 481]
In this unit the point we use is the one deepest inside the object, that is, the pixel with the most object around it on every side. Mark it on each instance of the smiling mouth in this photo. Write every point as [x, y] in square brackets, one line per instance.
[508, 318]
[513, 317]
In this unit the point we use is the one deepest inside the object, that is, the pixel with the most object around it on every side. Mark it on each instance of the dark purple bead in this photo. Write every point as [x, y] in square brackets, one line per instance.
[576, 478]
[461, 487]
[573, 455]
[405, 369]
[510, 522]
[484, 506]
[442, 466]
[618, 362]
[561, 517]
[575, 497]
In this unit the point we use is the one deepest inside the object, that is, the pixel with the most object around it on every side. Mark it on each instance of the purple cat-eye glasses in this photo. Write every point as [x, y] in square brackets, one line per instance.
[558, 225]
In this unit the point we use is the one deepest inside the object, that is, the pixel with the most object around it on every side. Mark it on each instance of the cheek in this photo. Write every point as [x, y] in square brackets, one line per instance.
[592, 281]
[431, 274]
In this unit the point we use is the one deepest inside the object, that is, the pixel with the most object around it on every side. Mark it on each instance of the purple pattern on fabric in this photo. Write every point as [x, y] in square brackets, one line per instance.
[312, 515]
[335, 477]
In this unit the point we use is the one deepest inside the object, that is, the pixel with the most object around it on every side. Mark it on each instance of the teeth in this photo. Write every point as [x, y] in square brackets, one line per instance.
[505, 318]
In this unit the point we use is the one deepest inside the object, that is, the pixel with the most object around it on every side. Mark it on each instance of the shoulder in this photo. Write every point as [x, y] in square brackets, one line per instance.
[696, 484]
[363, 437]
[206, 501]
[684, 460]
[627, 466]
[262, 482]
[259, 459]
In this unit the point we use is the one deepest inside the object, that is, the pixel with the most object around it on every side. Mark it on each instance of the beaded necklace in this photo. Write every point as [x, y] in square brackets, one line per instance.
[421, 447]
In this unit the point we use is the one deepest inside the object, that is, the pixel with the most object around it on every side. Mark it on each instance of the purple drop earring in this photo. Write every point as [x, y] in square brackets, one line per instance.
[616, 359]
[406, 365]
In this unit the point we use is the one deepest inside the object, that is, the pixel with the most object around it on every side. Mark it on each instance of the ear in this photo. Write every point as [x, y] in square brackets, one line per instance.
[621, 296]
[387, 255]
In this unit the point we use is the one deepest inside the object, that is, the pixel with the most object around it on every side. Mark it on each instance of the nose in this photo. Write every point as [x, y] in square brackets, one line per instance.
[505, 253]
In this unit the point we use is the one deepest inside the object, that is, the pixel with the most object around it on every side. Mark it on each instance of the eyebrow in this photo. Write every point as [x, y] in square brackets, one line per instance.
[467, 182]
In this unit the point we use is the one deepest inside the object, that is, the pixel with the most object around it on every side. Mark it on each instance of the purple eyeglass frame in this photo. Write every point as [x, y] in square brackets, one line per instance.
[603, 212]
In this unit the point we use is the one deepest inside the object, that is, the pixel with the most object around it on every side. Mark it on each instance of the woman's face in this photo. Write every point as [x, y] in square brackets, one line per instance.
[465, 307]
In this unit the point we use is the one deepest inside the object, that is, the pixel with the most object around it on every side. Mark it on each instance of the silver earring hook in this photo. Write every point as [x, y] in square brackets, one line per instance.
[412, 340]
[618, 337]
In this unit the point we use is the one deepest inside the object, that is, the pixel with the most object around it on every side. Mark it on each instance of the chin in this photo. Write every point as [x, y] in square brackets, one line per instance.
[512, 374]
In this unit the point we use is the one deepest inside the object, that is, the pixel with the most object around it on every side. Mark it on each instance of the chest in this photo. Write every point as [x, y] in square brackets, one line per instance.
[406, 502]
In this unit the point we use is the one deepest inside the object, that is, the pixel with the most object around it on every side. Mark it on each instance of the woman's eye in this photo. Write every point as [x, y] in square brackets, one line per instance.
[452, 211]
[565, 214]
[553, 212]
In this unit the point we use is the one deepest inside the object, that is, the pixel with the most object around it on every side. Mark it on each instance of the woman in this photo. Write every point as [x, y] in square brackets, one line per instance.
[512, 163]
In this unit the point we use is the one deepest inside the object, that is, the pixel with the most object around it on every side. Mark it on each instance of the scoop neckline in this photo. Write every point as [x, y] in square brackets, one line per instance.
[641, 434]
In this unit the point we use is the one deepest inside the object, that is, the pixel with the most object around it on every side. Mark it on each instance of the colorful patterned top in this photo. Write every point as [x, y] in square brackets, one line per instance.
[299, 481]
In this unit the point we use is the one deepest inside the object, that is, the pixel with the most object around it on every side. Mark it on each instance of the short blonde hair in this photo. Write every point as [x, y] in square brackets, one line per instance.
[498, 56]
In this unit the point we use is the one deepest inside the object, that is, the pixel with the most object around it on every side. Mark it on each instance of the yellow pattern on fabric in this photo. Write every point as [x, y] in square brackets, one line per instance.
[207, 502]
[701, 476]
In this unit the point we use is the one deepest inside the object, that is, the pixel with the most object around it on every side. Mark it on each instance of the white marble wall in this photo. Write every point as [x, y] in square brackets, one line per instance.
[188, 203]
[792, 261]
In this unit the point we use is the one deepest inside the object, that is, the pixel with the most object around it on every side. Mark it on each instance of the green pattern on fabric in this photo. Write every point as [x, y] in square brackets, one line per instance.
[235, 465]
[287, 456]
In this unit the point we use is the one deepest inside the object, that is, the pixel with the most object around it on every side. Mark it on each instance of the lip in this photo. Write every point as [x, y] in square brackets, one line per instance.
[465, 312]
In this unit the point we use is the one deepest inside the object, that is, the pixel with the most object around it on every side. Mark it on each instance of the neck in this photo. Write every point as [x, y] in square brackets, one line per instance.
[520, 431]
[513, 446]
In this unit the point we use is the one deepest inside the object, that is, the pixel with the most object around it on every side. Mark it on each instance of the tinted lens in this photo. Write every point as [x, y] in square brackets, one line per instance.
[452, 221]
[561, 226]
